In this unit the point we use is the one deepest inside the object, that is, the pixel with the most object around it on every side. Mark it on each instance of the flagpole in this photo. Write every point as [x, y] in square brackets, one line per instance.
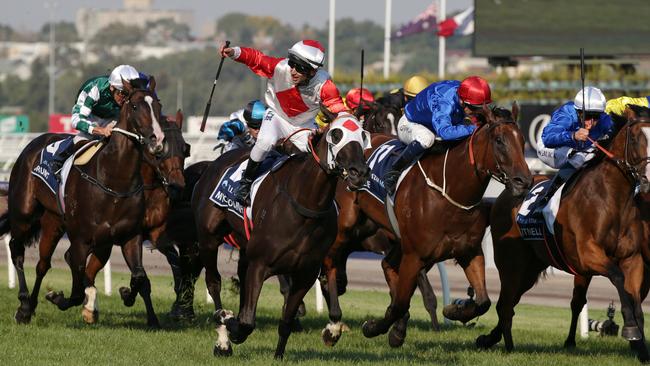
[332, 26]
[387, 39]
[442, 13]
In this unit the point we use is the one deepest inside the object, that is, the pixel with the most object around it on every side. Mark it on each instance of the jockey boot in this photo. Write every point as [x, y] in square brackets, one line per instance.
[409, 156]
[560, 178]
[243, 193]
[59, 158]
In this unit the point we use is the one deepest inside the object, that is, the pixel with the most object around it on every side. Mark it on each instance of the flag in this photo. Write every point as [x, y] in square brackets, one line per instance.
[461, 24]
[424, 22]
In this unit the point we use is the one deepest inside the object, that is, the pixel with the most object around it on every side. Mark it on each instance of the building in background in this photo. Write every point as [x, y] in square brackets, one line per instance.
[135, 12]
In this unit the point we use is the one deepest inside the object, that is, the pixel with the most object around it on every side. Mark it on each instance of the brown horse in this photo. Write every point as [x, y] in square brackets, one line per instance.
[104, 204]
[294, 224]
[611, 244]
[381, 119]
[438, 224]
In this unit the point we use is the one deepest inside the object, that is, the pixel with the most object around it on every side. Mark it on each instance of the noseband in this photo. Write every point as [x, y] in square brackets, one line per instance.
[500, 176]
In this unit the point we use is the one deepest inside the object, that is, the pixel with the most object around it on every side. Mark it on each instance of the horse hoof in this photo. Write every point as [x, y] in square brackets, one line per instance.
[462, 313]
[369, 329]
[23, 316]
[218, 352]
[153, 324]
[302, 311]
[89, 317]
[54, 297]
[396, 337]
[296, 326]
[329, 338]
[483, 342]
[279, 356]
[125, 294]
[570, 344]
[631, 333]
[182, 314]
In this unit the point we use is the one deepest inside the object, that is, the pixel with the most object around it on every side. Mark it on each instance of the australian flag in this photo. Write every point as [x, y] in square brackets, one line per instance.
[424, 22]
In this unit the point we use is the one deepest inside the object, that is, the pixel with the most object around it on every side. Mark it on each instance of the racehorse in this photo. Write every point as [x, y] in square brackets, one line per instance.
[103, 205]
[603, 236]
[381, 119]
[294, 221]
[439, 215]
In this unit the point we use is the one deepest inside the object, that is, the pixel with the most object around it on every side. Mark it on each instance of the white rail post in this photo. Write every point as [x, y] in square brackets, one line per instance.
[108, 285]
[208, 298]
[11, 270]
[584, 322]
[319, 297]
[446, 297]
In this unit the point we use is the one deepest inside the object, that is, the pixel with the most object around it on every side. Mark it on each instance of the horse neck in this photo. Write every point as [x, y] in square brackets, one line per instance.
[315, 188]
[119, 161]
[608, 178]
[149, 178]
[463, 183]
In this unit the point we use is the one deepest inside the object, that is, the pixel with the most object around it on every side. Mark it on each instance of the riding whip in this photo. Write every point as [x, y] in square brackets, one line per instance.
[582, 78]
[207, 106]
[360, 106]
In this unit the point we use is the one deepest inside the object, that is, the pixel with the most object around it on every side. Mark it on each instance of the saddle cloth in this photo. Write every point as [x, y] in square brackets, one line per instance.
[224, 193]
[42, 169]
[531, 223]
[380, 162]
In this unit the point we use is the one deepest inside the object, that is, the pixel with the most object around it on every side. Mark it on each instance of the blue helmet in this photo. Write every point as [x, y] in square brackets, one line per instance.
[253, 114]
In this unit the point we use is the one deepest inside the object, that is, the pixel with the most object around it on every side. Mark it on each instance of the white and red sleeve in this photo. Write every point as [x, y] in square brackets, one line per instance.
[258, 62]
[331, 98]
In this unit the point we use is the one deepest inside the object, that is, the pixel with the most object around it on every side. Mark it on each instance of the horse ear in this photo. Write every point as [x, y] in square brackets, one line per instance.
[629, 113]
[329, 116]
[152, 83]
[127, 86]
[179, 119]
[515, 111]
[487, 113]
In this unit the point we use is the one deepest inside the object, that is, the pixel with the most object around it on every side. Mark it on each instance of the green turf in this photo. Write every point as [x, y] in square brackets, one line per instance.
[121, 337]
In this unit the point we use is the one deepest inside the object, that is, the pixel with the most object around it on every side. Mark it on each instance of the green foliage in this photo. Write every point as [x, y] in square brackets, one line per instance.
[118, 34]
[64, 32]
[163, 31]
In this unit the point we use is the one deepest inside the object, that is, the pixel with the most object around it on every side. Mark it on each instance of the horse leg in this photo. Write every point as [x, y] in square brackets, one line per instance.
[390, 266]
[517, 276]
[51, 233]
[241, 327]
[97, 260]
[409, 267]
[474, 267]
[23, 313]
[285, 288]
[578, 301]
[330, 284]
[628, 281]
[428, 297]
[190, 269]
[76, 257]
[300, 285]
[140, 284]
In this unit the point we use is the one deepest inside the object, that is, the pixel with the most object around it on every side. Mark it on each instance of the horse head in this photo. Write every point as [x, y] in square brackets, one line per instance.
[341, 148]
[140, 115]
[170, 161]
[631, 147]
[501, 145]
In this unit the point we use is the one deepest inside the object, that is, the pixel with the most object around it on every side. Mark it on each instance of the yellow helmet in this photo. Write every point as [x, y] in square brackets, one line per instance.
[414, 85]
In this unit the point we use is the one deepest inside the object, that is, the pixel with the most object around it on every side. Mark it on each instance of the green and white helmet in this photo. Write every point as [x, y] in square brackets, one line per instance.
[126, 72]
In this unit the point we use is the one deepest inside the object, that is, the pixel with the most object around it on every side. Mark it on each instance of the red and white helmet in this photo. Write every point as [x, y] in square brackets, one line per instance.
[310, 52]
[475, 90]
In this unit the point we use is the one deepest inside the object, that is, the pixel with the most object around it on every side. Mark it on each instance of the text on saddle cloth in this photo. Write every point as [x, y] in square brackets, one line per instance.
[380, 162]
[44, 173]
[224, 193]
[532, 224]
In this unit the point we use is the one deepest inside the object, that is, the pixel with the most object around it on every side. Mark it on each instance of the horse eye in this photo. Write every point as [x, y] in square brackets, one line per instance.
[499, 140]
[135, 107]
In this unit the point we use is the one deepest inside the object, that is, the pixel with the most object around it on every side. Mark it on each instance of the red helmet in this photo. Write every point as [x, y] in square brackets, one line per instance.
[353, 97]
[474, 90]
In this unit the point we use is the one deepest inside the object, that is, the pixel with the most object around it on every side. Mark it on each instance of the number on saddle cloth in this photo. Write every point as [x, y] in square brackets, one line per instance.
[224, 193]
[380, 162]
[53, 154]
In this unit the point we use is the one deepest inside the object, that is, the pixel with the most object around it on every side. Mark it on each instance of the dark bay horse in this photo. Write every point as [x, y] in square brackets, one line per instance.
[603, 236]
[294, 223]
[103, 204]
[437, 224]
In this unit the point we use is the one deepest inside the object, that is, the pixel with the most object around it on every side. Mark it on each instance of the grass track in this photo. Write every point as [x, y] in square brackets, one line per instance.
[121, 337]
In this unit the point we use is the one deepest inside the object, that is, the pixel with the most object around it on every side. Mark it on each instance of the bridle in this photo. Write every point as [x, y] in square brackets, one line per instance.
[499, 175]
[627, 167]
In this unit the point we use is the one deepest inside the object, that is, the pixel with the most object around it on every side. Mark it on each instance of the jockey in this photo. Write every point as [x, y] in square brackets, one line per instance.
[295, 90]
[398, 98]
[354, 97]
[440, 110]
[617, 106]
[565, 144]
[242, 128]
[98, 104]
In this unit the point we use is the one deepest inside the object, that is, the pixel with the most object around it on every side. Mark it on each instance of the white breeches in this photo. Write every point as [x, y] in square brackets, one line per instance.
[408, 132]
[274, 128]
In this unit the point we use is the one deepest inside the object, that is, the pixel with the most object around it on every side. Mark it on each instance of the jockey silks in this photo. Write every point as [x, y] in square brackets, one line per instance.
[565, 121]
[295, 104]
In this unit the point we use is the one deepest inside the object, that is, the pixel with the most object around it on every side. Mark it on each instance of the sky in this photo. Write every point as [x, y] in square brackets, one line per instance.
[32, 14]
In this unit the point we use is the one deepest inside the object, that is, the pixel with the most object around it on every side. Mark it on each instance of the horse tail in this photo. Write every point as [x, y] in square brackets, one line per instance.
[4, 224]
